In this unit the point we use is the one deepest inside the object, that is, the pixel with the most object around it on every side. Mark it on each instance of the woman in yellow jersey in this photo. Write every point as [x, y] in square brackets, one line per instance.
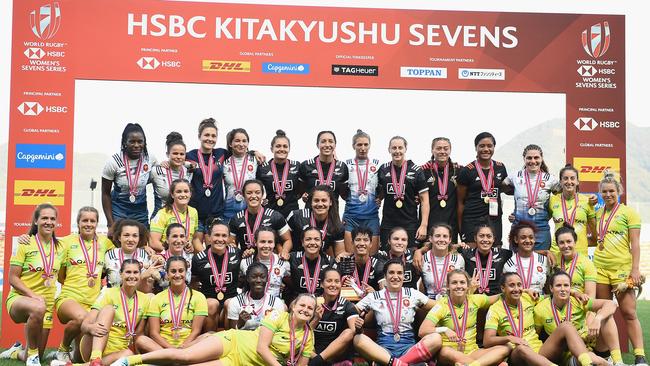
[454, 317]
[32, 276]
[617, 256]
[81, 275]
[599, 330]
[116, 319]
[573, 208]
[511, 321]
[177, 210]
[581, 270]
[175, 316]
[282, 338]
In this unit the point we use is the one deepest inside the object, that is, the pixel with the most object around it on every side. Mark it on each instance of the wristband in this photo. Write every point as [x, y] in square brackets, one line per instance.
[441, 330]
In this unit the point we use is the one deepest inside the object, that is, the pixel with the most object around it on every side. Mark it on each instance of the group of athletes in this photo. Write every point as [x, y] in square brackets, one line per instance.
[229, 270]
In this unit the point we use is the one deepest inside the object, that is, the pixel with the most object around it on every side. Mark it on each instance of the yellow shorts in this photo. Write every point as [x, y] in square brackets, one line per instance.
[230, 356]
[60, 300]
[613, 276]
[47, 318]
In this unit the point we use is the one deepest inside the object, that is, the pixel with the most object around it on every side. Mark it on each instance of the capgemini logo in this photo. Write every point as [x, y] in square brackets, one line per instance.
[595, 40]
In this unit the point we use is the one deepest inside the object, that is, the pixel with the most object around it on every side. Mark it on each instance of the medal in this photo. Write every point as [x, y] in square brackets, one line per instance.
[293, 355]
[556, 313]
[250, 232]
[483, 275]
[187, 223]
[394, 312]
[239, 197]
[120, 254]
[366, 274]
[487, 183]
[398, 185]
[438, 281]
[206, 170]
[48, 262]
[176, 311]
[132, 180]
[569, 219]
[323, 231]
[362, 180]
[603, 225]
[572, 267]
[170, 177]
[459, 328]
[311, 282]
[517, 332]
[442, 183]
[130, 318]
[528, 278]
[532, 193]
[250, 307]
[278, 184]
[90, 265]
[330, 173]
[219, 278]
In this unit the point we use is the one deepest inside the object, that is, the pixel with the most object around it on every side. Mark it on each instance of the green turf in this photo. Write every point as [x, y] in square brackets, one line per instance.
[643, 310]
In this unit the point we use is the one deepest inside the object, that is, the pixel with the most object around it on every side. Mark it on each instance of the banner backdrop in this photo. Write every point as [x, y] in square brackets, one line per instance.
[57, 42]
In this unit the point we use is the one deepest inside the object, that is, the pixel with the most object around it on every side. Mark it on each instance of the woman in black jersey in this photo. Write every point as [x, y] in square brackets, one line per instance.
[479, 190]
[335, 323]
[321, 211]
[307, 266]
[280, 176]
[485, 262]
[324, 169]
[441, 173]
[401, 185]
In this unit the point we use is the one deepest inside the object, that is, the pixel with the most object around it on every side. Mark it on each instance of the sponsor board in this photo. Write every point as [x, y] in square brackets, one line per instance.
[355, 70]
[225, 66]
[284, 68]
[423, 72]
[35, 192]
[481, 74]
[591, 169]
[40, 156]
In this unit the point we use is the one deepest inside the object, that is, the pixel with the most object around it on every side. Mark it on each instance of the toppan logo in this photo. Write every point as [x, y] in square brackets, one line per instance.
[148, 63]
[34, 53]
[46, 20]
[595, 40]
[30, 108]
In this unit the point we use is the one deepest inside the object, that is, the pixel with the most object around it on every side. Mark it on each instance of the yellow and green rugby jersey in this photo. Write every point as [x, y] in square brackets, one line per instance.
[616, 248]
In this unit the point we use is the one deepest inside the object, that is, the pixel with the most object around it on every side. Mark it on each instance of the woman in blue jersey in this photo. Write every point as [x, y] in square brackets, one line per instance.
[125, 177]
[361, 209]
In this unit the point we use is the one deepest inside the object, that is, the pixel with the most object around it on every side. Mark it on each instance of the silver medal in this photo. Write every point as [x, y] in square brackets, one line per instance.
[532, 211]
[132, 198]
[207, 192]
[363, 198]
[396, 337]
[239, 197]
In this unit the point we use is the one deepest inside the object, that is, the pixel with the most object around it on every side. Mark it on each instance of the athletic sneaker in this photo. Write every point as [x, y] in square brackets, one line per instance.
[33, 361]
[62, 356]
[6, 354]
[60, 363]
[640, 361]
[121, 362]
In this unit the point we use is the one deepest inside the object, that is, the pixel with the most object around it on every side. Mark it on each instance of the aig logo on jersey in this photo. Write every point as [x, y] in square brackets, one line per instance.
[35, 192]
[326, 327]
[592, 169]
[391, 190]
[288, 186]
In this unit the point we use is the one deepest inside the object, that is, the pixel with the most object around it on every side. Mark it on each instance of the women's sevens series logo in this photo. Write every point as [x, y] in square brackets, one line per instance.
[45, 21]
[595, 40]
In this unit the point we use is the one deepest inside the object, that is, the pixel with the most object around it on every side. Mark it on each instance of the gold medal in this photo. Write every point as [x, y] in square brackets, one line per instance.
[486, 199]
[443, 203]
[280, 202]
[399, 204]
[91, 282]
[176, 334]
[220, 296]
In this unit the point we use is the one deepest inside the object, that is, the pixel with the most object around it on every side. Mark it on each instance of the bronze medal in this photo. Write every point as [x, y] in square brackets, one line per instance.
[176, 334]
[91, 282]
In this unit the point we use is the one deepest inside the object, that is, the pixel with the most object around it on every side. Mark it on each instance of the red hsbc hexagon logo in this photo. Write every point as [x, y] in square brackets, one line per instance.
[30, 108]
[148, 63]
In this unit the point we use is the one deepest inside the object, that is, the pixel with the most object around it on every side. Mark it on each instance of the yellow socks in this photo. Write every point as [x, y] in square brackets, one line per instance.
[63, 348]
[134, 360]
[95, 354]
[585, 359]
[615, 354]
[475, 363]
[639, 352]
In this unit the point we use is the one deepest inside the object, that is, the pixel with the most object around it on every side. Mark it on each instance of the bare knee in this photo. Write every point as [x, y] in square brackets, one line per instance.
[37, 311]
[628, 312]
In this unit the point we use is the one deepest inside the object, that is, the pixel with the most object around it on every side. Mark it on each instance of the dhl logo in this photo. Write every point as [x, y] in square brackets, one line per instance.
[592, 169]
[226, 66]
[35, 192]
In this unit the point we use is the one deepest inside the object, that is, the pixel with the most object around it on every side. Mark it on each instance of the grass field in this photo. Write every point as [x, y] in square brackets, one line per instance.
[643, 310]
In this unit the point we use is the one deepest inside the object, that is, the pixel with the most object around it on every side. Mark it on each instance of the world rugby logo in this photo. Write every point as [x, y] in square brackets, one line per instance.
[595, 40]
[46, 20]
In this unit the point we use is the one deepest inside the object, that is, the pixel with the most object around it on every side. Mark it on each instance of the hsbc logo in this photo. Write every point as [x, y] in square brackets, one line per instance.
[46, 20]
[34, 53]
[590, 124]
[148, 63]
[585, 124]
[30, 108]
[587, 71]
[595, 39]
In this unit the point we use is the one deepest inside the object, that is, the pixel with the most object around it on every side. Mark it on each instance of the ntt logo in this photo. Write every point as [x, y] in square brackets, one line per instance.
[423, 72]
[284, 68]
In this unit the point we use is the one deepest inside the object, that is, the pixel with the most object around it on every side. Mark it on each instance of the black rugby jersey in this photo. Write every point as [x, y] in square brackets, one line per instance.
[292, 189]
